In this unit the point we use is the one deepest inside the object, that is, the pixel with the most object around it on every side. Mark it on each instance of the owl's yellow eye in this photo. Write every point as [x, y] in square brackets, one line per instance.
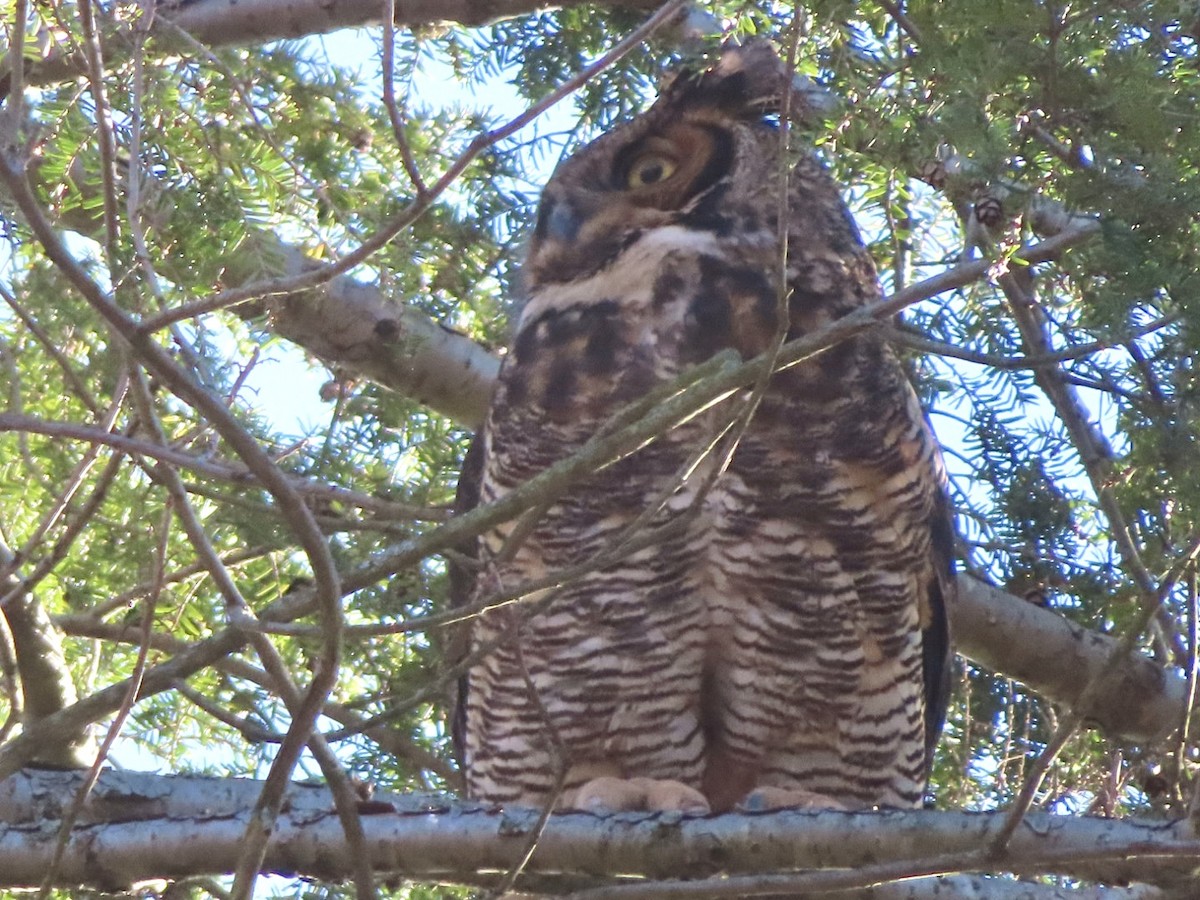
[650, 168]
[664, 169]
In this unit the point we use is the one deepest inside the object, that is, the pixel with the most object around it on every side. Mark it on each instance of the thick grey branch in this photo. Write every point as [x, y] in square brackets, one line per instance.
[1058, 658]
[353, 324]
[979, 887]
[225, 22]
[220, 22]
[137, 827]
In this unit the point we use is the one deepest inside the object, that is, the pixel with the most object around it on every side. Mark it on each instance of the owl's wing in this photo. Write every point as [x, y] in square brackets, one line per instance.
[462, 585]
[936, 652]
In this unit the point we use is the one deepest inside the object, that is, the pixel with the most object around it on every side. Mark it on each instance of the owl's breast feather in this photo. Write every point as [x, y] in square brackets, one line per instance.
[628, 276]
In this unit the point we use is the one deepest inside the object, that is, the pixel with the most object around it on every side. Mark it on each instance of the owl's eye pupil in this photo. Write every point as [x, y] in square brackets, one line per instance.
[649, 169]
[650, 173]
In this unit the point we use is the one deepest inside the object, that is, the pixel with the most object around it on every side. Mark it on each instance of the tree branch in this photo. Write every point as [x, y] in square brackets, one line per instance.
[197, 825]
[67, 723]
[1142, 700]
[220, 23]
[352, 324]
[46, 685]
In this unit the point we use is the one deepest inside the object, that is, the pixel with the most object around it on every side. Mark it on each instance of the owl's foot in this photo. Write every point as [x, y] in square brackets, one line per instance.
[766, 798]
[608, 794]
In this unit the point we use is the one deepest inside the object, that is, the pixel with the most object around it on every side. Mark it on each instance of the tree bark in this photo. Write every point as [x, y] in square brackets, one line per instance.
[222, 22]
[218, 23]
[1054, 656]
[136, 827]
[352, 325]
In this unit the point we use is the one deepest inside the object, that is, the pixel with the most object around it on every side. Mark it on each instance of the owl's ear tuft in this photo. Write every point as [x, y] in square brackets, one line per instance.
[745, 80]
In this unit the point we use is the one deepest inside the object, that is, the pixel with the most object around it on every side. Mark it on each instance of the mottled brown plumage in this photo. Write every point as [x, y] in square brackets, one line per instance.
[788, 637]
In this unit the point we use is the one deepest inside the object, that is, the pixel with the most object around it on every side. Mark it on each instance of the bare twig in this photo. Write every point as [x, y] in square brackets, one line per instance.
[295, 511]
[16, 63]
[559, 760]
[897, 13]
[1192, 669]
[71, 814]
[65, 365]
[104, 132]
[270, 801]
[389, 98]
[1096, 456]
[125, 600]
[911, 339]
[80, 519]
[64, 725]
[58, 507]
[205, 465]
[389, 740]
[1121, 651]
[252, 732]
[1093, 448]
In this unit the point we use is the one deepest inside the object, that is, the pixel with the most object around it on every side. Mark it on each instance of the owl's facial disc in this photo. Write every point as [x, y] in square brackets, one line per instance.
[558, 220]
[593, 208]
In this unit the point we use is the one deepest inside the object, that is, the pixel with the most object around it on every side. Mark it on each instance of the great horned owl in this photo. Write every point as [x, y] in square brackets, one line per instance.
[786, 642]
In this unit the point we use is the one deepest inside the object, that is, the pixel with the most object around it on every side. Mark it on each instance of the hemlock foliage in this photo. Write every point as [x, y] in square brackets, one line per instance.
[1066, 393]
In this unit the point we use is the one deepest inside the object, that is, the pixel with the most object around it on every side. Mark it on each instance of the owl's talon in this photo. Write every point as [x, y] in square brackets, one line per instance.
[766, 799]
[674, 796]
[608, 794]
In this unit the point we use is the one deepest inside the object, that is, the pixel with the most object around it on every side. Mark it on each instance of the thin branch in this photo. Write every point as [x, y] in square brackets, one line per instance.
[293, 507]
[900, 335]
[65, 724]
[253, 732]
[389, 740]
[898, 16]
[1096, 456]
[1093, 448]
[125, 600]
[79, 520]
[62, 501]
[1192, 669]
[389, 98]
[206, 465]
[270, 801]
[104, 132]
[16, 63]
[65, 365]
[71, 814]
[1122, 650]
